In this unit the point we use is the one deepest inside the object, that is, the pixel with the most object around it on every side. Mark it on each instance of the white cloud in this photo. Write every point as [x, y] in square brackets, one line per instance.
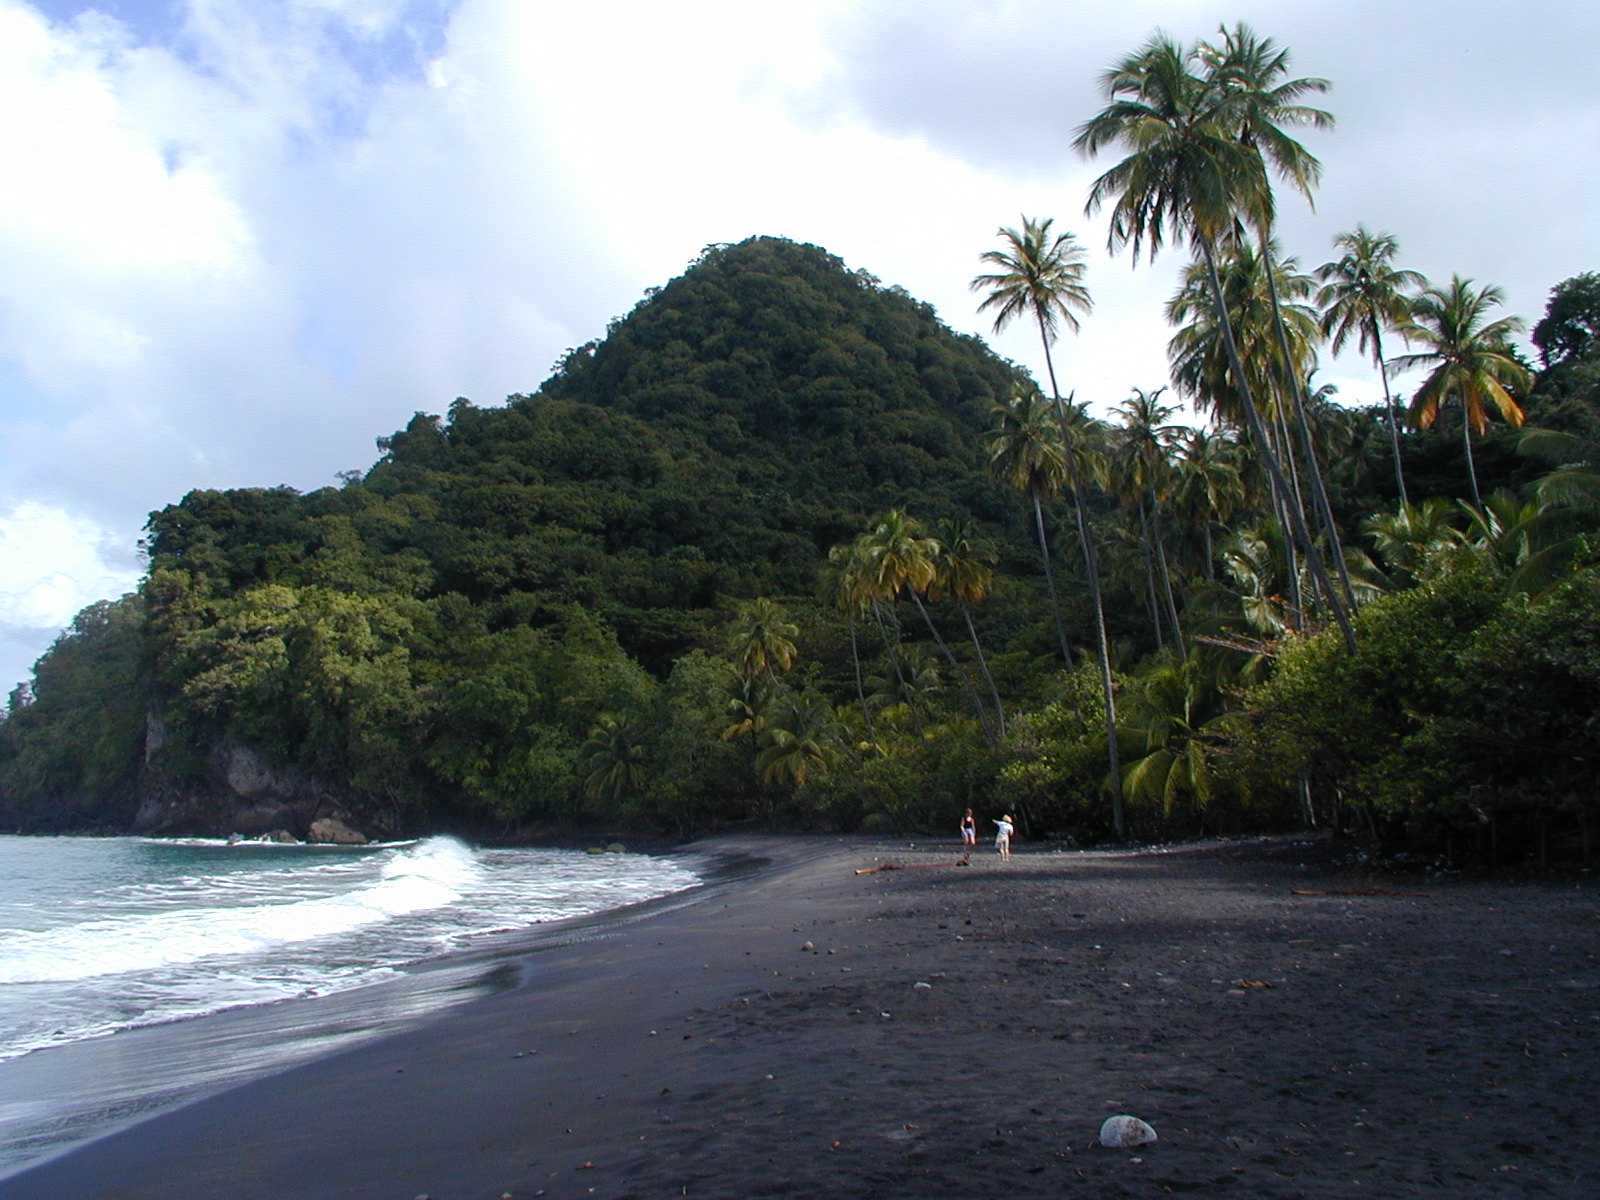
[52, 564]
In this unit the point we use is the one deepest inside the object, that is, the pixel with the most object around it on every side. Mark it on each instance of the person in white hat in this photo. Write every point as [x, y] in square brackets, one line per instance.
[1002, 837]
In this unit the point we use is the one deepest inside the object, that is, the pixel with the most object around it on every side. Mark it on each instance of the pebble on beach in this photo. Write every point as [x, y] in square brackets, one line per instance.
[1122, 1131]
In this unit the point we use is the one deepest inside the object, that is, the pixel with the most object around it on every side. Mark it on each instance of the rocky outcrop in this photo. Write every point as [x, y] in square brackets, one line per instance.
[330, 831]
[239, 792]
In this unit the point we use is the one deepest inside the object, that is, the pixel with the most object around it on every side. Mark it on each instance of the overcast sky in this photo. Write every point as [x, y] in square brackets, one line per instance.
[240, 240]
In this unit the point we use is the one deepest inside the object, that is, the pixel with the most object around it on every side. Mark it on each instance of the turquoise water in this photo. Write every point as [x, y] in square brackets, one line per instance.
[298, 948]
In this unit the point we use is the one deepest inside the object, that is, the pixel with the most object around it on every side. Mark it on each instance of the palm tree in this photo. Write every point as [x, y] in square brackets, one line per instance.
[898, 557]
[1363, 294]
[802, 740]
[1042, 277]
[844, 574]
[1144, 472]
[1039, 277]
[1471, 360]
[1574, 483]
[1025, 452]
[860, 590]
[1190, 175]
[1200, 365]
[762, 638]
[1177, 712]
[1417, 541]
[1253, 72]
[613, 758]
[964, 572]
[1210, 488]
[1277, 332]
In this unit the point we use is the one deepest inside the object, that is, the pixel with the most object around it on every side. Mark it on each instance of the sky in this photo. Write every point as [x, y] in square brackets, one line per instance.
[240, 241]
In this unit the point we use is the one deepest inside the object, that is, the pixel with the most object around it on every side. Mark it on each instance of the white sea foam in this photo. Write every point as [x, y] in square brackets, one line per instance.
[432, 875]
[103, 934]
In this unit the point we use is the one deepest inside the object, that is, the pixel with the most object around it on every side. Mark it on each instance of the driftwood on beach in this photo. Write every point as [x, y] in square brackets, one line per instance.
[895, 866]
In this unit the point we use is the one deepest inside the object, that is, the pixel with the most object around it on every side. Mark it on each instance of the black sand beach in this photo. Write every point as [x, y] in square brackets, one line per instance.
[1290, 1029]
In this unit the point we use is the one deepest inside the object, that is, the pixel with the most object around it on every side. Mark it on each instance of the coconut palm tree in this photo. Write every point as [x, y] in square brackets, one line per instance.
[860, 590]
[1176, 714]
[1574, 483]
[1363, 293]
[801, 740]
[1190, 175]
[1039, 278]
[1025, 452]
[843, 582]
[1200, 366]
[965, 573]
[1144, 473]
[614, 758]
[1210, 488]
[1471, 360]
[1253, 72]
[762, 638]
[1042, 277]
[898, 557]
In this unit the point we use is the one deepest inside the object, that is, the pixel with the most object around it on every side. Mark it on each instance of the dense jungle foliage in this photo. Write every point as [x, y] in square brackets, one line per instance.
[783, 548]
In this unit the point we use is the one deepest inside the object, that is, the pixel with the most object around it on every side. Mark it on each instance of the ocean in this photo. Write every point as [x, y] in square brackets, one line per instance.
[138, 973]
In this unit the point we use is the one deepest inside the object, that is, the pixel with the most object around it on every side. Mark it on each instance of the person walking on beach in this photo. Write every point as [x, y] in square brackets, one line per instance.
[969, 835]
[1002, 837]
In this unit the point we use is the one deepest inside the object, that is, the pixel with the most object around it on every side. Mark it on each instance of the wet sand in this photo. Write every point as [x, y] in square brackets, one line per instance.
[1381, 1036]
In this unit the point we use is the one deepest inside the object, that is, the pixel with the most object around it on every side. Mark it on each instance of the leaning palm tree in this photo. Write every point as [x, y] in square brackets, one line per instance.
[1041, 277]
[965, 572]
[900, 557]
[1025, 452]
[1363, 294]
[1262, 100]
[1189, 175]
[1471, 361]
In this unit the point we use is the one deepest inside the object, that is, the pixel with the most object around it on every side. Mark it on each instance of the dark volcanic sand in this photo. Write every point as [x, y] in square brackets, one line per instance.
[1439, 1039]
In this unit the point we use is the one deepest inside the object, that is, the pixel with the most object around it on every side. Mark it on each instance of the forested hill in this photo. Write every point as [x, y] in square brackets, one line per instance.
[772, 346]
[442, 634]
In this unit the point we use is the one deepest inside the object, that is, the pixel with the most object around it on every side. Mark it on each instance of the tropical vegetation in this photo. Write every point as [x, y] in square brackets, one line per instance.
[782, 548]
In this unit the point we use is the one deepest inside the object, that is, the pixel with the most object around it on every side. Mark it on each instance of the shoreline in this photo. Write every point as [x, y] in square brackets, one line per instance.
[1290, 1029]
[57, 1098]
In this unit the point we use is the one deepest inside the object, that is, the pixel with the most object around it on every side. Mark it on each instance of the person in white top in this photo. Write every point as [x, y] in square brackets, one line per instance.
[1002, 836]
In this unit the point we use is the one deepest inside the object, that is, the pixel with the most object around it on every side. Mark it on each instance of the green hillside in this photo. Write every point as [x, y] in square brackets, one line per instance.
[440, 635]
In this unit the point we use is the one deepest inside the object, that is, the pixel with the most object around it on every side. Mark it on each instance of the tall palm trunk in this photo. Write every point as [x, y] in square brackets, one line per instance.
[1050, 580]
[961, 672]
[1274, 471]
[861, 690]
[1091, 569]
[1297, 394]
[1390, 408]
[899, 674]
[983, 664]
[1151, 599]
[1166, 574]
[1472, 468]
